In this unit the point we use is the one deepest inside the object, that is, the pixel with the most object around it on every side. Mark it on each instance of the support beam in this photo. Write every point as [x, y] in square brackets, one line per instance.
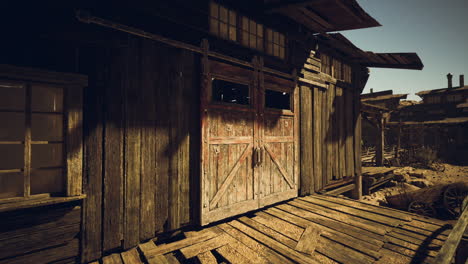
[379, 144]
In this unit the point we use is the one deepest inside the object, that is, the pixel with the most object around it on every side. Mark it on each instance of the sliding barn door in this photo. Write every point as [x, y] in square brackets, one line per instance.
[228, 142]
[249, 146]
[279, 134]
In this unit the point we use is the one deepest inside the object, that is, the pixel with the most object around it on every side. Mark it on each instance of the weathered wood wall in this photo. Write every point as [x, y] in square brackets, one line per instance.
[330, 129]
[40, 235]
[141, 143]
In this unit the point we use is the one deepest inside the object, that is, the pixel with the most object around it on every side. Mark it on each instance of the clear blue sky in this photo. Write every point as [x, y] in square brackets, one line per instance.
[435, 29]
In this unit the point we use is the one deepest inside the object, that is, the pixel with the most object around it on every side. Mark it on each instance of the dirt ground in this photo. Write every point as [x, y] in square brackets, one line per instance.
[451, 174]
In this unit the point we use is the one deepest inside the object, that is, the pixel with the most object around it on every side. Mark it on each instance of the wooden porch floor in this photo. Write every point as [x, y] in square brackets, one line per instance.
[312, 229]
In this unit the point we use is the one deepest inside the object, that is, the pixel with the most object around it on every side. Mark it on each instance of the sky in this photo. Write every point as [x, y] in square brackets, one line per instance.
[437, 30]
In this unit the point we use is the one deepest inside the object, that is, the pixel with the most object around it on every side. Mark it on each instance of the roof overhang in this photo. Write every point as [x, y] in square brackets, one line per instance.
[339, 42]
[321, 16]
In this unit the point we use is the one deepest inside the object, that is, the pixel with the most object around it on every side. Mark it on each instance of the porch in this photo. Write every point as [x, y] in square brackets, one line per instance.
[311, 229]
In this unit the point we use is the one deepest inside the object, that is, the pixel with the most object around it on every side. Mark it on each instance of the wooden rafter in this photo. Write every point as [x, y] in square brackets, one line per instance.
[349, 11]
[315, 17]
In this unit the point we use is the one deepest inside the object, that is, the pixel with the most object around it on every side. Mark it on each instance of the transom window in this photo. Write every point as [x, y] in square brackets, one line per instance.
[277, 100]
[229, 25]
[230, 92]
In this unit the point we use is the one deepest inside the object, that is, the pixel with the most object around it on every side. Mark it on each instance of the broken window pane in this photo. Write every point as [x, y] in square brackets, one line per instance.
[277, 100]
[229, 92]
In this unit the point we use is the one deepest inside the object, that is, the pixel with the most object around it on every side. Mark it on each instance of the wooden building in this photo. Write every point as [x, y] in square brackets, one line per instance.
[376, 108]
[122, 122]
[439, 122]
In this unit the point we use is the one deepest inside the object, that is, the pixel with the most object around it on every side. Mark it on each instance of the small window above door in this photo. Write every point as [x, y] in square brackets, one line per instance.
[277, 100]
[230, 92]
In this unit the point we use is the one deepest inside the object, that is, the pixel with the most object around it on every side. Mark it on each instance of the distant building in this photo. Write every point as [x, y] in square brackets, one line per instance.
[440, 121]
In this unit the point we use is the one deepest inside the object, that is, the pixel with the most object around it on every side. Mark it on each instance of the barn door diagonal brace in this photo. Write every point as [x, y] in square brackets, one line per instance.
[230, 177]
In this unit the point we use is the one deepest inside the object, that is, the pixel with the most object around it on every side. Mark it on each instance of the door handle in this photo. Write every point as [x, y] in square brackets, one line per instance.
[260, 159]
[257, 159]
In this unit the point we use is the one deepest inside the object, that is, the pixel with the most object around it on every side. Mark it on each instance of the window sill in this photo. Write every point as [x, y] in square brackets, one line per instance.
[6, 207]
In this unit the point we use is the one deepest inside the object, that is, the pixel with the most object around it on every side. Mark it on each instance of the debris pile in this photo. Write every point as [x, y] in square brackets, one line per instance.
[427, 192]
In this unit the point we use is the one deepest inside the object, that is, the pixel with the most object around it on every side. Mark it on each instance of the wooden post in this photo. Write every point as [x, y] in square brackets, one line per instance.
[379, 144]
[398, 146]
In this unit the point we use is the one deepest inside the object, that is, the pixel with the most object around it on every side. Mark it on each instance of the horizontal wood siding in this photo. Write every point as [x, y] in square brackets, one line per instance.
[40, 235]
[329, 130]
[142, 142]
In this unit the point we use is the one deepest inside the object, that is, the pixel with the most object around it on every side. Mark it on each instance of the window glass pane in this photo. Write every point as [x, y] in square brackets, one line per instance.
[47, 99]
[269, 48]
[214, 10]
[275, 50]
[229, 92]
[223, 30]
[281, 40]
[245, 38]
[11, 97]
[253, 27]
[223, 14]
[232, 17]
[277, 100]
[11, 185]
[276, 37]
[259, 30]
[282, 55]
[214, 25]
[12, 126]
[232, 33]
[46, 155]
[260, 44]
[269, 35]
[11, 156]
[253, 42]
[245, 23]
[47, 127]
[47, 181]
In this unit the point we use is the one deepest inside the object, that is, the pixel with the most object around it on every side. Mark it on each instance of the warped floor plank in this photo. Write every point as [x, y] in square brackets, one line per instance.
[312, 229]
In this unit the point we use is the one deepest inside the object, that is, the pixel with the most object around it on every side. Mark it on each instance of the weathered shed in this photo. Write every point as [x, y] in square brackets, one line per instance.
[192, 112]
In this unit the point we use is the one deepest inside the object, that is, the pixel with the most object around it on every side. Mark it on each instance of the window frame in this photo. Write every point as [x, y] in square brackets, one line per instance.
[232, 80]
[242, 31]
[72, 134]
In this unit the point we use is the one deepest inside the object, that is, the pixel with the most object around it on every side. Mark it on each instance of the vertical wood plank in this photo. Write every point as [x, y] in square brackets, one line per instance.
[349, 133]
[148, 142]
[331, 153]
[306, 148]
[113, 147]
[93, 134]
[174, 181]
[74, 145]
[161, 98]
[335, 134]
[359, 81]
[317, 140]
[27, 142]
[132, 149]
[341, 131]
[185, 101]
[323, 136]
